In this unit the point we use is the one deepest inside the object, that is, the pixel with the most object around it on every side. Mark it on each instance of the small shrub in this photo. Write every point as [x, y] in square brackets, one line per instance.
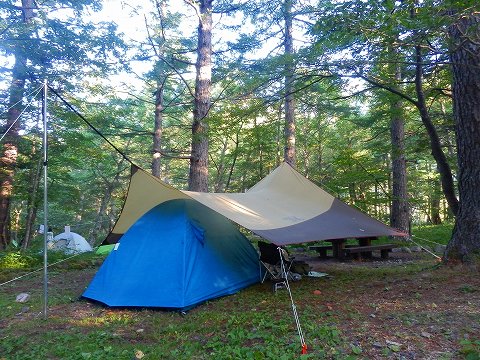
[467, 289]
[470, 349]
[16, 260]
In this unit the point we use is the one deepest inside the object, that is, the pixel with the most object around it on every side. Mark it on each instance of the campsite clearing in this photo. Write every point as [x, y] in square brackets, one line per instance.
[406, 307]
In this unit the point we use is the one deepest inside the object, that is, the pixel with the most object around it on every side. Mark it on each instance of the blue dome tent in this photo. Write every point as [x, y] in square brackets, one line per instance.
[177, 255]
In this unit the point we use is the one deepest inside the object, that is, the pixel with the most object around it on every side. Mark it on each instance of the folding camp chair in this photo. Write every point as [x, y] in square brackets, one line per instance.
[271, 257]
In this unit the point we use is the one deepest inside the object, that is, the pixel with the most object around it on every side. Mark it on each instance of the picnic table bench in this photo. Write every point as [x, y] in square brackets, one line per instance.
[366, 251]
[364, 248]
[322, 249]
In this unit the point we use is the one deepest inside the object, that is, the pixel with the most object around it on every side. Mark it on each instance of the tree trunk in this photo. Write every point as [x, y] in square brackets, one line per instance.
[435, 218]
[319, 149]
[15, 224]
[435, 199]
[258, 141]
[446, 177]
[352, 192]
[102, 216]
[400, 214]
[289, 153]
[465, 59]
[219, 184]
[198, 176]
[279, 137]
[32, 201]
[8, 159]
[161, 80]
[27, 10]
[157, 130]
[235, 155]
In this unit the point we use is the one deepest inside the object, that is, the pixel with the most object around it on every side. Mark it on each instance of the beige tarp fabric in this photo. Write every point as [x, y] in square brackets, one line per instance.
[144, 193]
[281, 199]
[284, 208]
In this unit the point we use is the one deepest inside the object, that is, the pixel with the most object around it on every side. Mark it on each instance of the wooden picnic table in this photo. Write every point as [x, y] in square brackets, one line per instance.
[364, 248]
[338, 246]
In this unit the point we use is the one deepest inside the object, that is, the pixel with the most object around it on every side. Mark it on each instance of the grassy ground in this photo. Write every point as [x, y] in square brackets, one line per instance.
[407, 307]
[432, 234]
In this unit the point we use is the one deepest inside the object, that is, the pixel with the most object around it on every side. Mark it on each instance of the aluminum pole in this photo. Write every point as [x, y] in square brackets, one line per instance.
[45, 204]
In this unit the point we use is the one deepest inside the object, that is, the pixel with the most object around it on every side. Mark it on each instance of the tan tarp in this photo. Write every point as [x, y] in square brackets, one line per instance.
[144, 193]
[281, 199]
[284, 208]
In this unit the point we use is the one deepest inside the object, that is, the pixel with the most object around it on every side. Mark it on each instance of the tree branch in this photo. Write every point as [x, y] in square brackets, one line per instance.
[386, 87]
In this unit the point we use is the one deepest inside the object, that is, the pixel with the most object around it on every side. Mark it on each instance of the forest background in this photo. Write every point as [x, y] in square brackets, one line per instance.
[375, 101]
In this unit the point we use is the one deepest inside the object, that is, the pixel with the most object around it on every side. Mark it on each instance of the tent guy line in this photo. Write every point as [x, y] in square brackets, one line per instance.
[39, 269]
[294, 307]
[70, 106]
[423, 248]
[24, 109]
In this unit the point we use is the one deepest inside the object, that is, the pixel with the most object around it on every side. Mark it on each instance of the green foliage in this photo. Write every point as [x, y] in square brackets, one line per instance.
[64, 43]
[33, 259]
[470, 349]
[17, 260]
[356, 350]
[435, 233]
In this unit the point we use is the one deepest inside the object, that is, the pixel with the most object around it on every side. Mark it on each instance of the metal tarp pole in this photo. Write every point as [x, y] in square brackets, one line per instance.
[45, 204]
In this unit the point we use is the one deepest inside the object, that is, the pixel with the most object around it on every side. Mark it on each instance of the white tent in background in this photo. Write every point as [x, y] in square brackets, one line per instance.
[69, 242]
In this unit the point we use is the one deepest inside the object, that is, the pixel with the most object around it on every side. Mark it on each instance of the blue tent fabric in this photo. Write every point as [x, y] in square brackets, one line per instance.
[177, 255]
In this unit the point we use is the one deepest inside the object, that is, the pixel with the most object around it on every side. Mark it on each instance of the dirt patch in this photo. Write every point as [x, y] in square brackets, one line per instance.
[421, 314]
